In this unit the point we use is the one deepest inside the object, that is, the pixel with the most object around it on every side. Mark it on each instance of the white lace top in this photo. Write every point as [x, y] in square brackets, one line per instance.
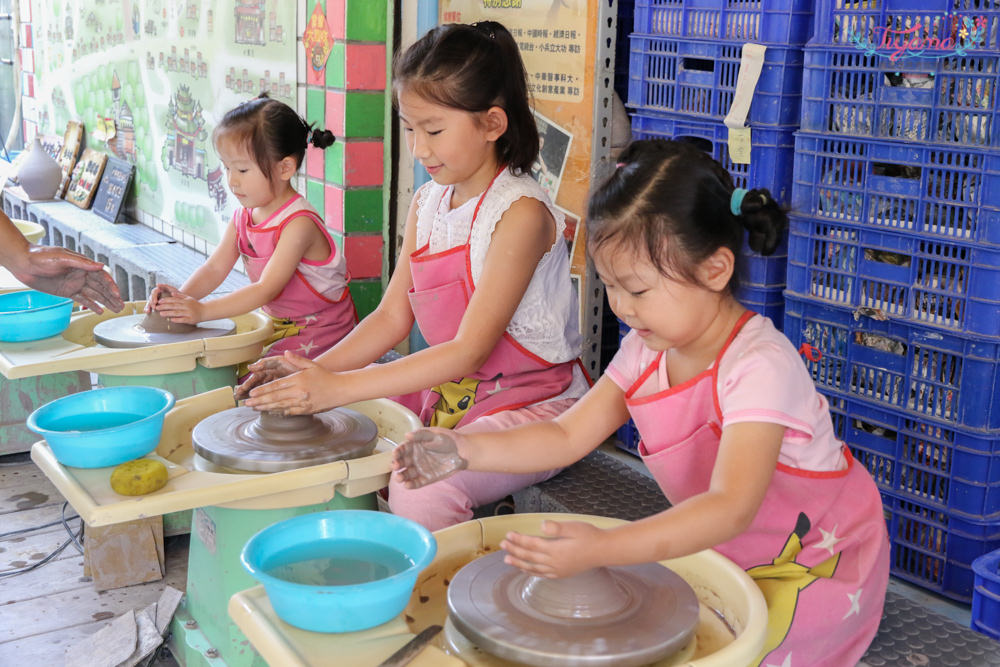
[546, 321]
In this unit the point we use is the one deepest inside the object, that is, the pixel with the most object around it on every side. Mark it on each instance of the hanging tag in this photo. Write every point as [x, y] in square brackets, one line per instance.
[751, 65]
[739, 145]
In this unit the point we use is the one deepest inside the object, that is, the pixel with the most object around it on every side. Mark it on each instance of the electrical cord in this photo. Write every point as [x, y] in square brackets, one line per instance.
[73, 539]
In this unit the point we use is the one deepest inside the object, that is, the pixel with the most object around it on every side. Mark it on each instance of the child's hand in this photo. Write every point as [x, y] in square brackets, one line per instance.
[179, 307]
[428, 455]
[567, 549]
[263, 371]
[161, 290]
[308, 390]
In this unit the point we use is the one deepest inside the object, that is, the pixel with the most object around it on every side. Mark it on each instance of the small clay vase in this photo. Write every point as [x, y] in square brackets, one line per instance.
[39, 175]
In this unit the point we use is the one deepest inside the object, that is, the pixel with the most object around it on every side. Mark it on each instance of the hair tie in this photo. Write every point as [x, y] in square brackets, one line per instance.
[619, 165]
[736, 201]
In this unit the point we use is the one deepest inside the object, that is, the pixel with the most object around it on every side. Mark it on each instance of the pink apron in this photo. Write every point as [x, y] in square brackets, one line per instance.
[512, 376]
[818, 547]
[308, 318]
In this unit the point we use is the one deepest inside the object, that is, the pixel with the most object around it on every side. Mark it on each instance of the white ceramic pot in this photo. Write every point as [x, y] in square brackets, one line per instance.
[39, 175]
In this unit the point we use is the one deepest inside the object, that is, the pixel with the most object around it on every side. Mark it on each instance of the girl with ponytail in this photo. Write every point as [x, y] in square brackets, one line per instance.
[732, 427]
[297, 275]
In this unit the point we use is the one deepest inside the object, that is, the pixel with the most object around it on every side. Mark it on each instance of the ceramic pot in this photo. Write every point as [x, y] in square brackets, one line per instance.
[39, 175]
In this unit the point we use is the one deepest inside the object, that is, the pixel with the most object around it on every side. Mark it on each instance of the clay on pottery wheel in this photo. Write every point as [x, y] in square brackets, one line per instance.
[619, 616]
[130, 331]
[244, 439]
[156, 323]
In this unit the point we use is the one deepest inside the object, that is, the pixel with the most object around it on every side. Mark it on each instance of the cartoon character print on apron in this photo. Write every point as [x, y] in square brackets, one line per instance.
[512, 376]
[817, 547]
[309, 315]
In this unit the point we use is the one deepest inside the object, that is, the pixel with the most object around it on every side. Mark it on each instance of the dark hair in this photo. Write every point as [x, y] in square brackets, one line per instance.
[472, 68]
[674, 190]
[272, 130]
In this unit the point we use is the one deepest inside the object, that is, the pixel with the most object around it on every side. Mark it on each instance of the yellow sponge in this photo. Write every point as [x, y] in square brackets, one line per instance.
[139, 477]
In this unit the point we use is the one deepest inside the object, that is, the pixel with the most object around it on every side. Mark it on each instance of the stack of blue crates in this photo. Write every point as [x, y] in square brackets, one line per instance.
[893, 278]
[684, 62]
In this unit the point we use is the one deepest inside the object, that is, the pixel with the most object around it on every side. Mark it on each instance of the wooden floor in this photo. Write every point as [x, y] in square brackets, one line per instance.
[47, 610]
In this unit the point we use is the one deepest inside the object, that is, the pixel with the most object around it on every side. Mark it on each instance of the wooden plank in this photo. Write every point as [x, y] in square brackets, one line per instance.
[57, 576]
[25, 487]
[20, 553]
[85, 605]
[33, 517]
[48, 648]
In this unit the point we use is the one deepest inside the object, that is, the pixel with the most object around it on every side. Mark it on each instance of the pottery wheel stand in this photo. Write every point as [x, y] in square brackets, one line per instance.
[239, 472]
[243, 441]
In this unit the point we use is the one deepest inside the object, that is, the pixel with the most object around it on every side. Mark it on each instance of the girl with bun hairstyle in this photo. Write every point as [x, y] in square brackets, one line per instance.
[732, 427]
[298, 277]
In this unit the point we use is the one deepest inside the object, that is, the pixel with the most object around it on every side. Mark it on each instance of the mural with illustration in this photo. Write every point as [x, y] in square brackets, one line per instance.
[149, 79]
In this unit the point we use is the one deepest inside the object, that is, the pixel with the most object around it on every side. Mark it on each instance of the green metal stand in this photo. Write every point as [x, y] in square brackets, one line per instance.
[202, 632]
[19, 398]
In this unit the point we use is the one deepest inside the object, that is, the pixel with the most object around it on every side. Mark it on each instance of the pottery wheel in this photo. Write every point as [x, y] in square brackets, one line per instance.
[128, 331]
[244, 439]
[620, 616]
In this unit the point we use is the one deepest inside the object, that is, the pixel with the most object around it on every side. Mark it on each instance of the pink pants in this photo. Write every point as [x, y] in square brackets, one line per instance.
[452, 500]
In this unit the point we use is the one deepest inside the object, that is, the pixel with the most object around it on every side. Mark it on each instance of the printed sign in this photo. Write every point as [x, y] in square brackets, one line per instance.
[113, 190]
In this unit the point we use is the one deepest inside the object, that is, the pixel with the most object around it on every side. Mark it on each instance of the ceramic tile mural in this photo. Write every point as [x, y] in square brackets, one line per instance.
[150, 79]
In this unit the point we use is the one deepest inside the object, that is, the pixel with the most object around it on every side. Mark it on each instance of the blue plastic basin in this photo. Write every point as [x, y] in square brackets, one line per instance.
[33, 315]
[346, 607]
[103, 427]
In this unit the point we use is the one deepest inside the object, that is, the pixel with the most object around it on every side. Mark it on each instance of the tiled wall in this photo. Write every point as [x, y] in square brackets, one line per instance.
[346, 181]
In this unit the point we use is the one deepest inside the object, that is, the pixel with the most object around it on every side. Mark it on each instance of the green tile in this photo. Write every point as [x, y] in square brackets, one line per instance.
[316, 106]
[315, 194]
[366, 295]
[363, 210]
[334, 156]
[366, 21]
[364, 115]
[335, 65]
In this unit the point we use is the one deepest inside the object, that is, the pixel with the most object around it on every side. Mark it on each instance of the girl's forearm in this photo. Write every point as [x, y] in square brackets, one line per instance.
[528, 448]
[240, 302]
[700, 522]
[373, 337]
[204, 281]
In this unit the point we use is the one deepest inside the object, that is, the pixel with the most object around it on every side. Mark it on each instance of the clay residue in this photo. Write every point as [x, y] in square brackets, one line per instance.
[28, 500]
[156, 323]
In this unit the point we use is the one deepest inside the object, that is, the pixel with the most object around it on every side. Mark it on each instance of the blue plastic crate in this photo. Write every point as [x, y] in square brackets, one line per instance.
[935, 549]
[939, 193]
[628, 438]
[864, 24]
[950, 468]
[769, 302]
[780, 22]
[698, 79]
[939, 100]
[986, 594]
[903, 277]
[771, 155]
[926, 374]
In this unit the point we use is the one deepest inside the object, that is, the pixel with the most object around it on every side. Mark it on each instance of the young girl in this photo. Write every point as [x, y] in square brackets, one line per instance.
[484, 273]
[297, 276]
[732, 428]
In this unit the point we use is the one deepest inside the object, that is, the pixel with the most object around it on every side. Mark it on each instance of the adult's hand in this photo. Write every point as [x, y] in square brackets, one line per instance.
[66, 273]
[428, 455]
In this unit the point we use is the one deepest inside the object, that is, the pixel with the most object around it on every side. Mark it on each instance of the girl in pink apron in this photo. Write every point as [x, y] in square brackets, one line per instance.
[732, 428]
[297, 276]
[484, 274]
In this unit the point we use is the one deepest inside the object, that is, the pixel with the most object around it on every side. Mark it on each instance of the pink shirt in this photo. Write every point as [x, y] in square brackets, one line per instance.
[761, 379]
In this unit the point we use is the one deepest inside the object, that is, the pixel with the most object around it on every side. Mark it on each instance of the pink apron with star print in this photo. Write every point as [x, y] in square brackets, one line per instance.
[314, 310]
[512, 377]
[818, 547]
